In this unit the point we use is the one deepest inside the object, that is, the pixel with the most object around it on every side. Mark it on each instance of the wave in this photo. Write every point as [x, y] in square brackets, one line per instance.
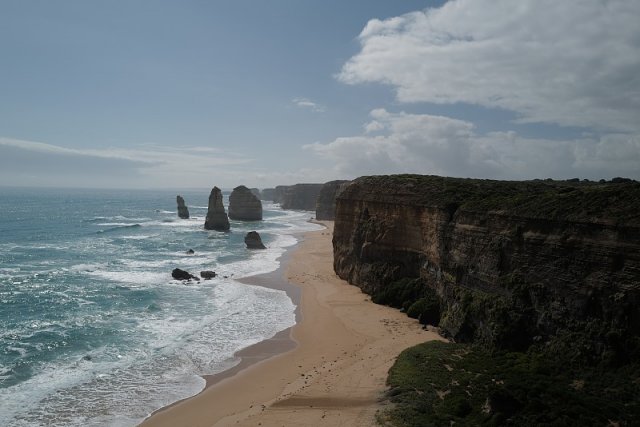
[119, 227]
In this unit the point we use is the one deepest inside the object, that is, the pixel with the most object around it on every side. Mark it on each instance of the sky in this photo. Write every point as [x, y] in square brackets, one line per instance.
[197, 93]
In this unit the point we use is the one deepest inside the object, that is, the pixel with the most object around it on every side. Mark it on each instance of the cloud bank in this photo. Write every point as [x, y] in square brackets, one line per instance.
[572, 62]
[422, 143]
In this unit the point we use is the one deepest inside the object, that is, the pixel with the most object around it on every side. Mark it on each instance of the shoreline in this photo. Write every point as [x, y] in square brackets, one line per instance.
[329, 368]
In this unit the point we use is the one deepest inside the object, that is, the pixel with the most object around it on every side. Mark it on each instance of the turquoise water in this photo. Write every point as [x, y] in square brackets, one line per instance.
[94, 331]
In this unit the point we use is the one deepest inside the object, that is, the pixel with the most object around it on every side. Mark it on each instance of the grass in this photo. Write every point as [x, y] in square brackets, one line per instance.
[442, 384]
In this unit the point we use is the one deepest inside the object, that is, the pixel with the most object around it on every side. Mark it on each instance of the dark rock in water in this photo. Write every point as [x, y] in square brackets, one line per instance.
[190, 252]
[86, 357]
[253, 241]
[207, 274]
[216, 215]
[244, 205]
[183, 212]
[301, 197]
[326, 202]
[179, 274]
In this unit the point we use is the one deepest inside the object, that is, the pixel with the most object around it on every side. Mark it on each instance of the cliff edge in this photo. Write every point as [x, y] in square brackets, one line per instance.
[507, 265]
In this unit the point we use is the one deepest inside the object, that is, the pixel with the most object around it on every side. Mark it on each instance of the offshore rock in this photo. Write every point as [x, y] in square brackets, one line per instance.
[216, 215]
[208, 274]
[326, 203]
[551, 264]
[253, 240]
[179, 274]
[301, 197]
[183, 212]
[244, 205]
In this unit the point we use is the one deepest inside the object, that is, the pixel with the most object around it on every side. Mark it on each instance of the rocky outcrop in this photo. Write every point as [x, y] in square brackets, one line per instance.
[326, 202]
[267, 194]
[279, 192]
[509, 265]
[183, 211]
[244, 205]
[216, 215]
[256, 192]
[301, 197]
[208, 274]
[253, 240]
[179, 274]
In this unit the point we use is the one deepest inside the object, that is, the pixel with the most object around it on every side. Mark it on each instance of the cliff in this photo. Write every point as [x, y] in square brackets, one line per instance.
[216, 215]
[183, 211]
[244, 205]
[300, 196]
[267, 194]
[507, 265]
[326, 202]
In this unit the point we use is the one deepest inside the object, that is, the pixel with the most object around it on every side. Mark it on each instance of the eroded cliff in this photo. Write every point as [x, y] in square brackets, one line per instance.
[300, 196]
[504, 264]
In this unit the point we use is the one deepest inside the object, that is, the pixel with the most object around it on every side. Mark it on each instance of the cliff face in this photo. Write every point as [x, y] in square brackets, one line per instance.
[300, 196]
[509, 264]
[244, 205]
[326, 202]
[267, 194]
[216, 215]
[183, 211]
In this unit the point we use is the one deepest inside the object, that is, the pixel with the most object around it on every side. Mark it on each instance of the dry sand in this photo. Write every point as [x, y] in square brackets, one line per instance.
[334, 376]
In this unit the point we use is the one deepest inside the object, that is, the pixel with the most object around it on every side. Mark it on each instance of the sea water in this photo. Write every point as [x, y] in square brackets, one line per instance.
[93, 329]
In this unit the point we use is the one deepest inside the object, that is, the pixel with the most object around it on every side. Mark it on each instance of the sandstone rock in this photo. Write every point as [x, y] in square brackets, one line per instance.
[179, 274]
[216, 215]
[183, 212]
[301, 197]
[514, 264]
[244, 205]
[253, 240]
[326, 202]
[207, 274]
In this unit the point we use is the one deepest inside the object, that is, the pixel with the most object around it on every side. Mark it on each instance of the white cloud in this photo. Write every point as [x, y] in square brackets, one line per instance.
[570, 62]
[307, 103]
[36, 163]
[426, 144]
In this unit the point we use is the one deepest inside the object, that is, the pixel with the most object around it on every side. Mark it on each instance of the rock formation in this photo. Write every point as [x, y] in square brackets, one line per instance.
[326, 203]
[183, 212]
[301, 197]
[267, 194]
[179, 274]
[256, 192]
[216, 215]
[552, 264]
[253, 240]
[244, 205]
[278, 193]
[208, 274]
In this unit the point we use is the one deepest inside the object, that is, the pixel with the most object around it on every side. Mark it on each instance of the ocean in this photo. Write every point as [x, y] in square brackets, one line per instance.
[93, 329]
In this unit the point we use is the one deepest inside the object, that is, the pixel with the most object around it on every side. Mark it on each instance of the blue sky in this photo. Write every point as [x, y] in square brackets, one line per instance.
[184, 94]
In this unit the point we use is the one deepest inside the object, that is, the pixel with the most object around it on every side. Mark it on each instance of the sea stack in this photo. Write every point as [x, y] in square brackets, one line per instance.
[244, 205]
[253, 240]
[216, 215]
[183, 212]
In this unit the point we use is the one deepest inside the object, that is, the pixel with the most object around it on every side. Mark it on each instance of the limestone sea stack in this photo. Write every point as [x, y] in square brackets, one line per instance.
[183, 211]
[253, 240]
[216, 215]
[244, 205]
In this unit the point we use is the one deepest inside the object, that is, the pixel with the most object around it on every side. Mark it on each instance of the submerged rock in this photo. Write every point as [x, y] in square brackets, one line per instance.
[253, 240]
[179, 274]
[244, 205]
[183, 211]
[190, 252]
[216, 215]
[208, 274]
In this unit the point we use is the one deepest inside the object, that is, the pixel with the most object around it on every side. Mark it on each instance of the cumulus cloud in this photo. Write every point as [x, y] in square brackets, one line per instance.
[308, 104]
[427, 144]
[570, 62]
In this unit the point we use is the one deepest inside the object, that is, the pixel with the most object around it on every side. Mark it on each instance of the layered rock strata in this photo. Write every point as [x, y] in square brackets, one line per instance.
[216, 215]
[301, 197]
[244, 205]
[502, 264]
[326, 202]
[183, 211]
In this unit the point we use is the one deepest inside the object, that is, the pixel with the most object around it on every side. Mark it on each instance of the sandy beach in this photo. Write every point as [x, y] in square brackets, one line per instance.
[329, 369]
